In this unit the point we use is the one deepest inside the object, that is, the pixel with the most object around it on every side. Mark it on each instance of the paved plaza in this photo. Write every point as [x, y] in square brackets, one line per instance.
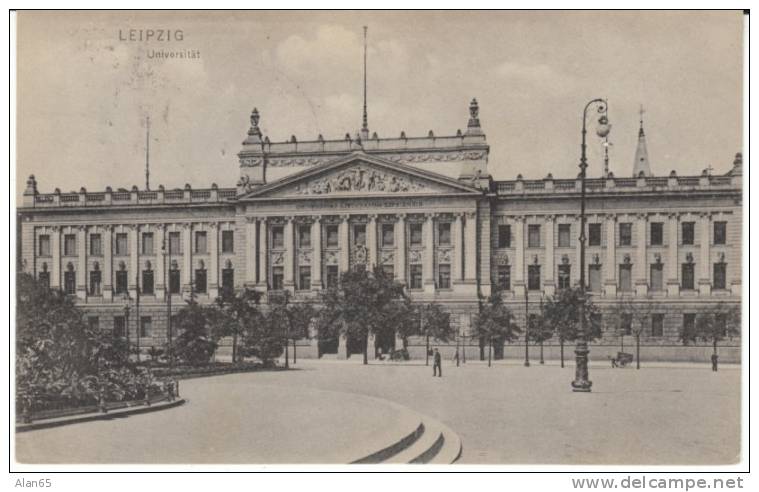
[505, 414]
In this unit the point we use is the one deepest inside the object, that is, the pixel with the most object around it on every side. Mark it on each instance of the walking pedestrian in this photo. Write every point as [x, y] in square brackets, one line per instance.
[714, 362]
[437, 367]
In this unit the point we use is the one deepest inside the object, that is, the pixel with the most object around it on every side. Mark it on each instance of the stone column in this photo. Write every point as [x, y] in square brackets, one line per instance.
[81, 269]
[187, 274]
[400, 249]
[263, 246]
[673, 282]
[108, 262]
[162, 247]
[610, 274]
[213, 267]
[641, 279]
[344, 244]
[371, 349]
[519, 225]
[316, 257]
[55, 251]
[398, 341]
[549, 284]
[134, 259]
[342, 346]
[289, 282]
[371, 242]
[458, 249]
[705, 276]
[470, 248]
[428, 267]
[250, 251]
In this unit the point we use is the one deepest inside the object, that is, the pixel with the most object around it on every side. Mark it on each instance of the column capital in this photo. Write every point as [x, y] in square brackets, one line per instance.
[251, 220]
[519, 218]
[641, 216]
[371, 217]
[705, 215]
[674, 215]
[549, 218]
[430, 215]
[401, 216]
[186, 225]
[610, 217]
[213, 225]
[345, 217]
[470, 215]
[316, 218]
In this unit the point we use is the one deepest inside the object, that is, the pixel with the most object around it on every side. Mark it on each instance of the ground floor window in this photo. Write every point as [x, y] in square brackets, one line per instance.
[304, 278]
[119, 326]
[626, 324]
[69, 282]
[277, 278]
[44, 278]
[720, 276]
[228, 280]
[444, 276]
[657, 325]
[504, 277]
[201, 281]
[533, 277]
[688, 276]
[332, 276]
[147, 282]
[415, 276]
[93, 322]
[146, 324]
[689, 322]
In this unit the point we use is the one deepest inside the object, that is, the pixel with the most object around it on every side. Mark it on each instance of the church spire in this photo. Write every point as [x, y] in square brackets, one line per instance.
[641, 164]
[365, 120]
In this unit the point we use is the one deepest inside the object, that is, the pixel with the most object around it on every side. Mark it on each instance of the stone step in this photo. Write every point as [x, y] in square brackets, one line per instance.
[436, 445]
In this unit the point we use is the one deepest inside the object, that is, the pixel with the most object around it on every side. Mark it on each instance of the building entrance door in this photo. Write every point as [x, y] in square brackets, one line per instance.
[356, 345]
[328, 345]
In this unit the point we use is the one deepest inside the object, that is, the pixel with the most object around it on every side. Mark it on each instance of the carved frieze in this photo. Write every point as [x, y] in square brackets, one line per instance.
[444, 255]
[359, 254]
[251, 161]
[304, 258]
[437, 156]
[414, 256]
[360, 179]
[277, 258]
[331, 258]
[387, 257]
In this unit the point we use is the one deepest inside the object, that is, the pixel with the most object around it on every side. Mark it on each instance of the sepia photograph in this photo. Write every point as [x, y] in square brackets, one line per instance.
[391, 238]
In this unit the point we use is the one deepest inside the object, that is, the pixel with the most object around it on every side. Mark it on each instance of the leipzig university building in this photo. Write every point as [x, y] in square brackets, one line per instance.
[425, 210]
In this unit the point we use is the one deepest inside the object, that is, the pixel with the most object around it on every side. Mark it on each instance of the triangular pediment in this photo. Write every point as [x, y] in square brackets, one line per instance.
[360, 175]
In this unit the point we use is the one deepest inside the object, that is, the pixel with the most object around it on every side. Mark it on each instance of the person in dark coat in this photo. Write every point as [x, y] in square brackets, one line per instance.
[437, 367]
[714, 362]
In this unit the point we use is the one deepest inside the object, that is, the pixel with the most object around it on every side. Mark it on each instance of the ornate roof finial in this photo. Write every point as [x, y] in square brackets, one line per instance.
[473, 127]
[641, 111]
[31, 186]
[641, 164]
[254, 134]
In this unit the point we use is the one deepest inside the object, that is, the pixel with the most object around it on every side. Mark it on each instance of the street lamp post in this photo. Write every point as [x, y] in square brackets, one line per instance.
[581, 382]
[126, 324]
[526, 330]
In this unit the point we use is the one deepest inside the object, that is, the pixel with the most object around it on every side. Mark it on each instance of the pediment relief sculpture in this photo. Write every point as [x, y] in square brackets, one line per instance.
[360, 180]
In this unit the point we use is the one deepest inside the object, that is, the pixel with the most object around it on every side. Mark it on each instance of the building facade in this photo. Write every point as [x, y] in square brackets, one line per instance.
[424, 209]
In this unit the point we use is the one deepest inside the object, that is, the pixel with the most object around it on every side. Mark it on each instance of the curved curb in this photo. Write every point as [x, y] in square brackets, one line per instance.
[120, 413]
[383, 454]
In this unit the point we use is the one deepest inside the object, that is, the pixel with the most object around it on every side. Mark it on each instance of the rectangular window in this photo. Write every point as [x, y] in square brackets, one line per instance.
[332, 276]
[594, 234]
[278, 237]
[174, 281]
[596, 322]
[304, 236]
[689, 322]
[444, 233]
[533, 236]
[415, 234]
[625, 234]
[564, 235]
[415, 276]
[657, 325]
[504, 236]
[146, 325]
[687, 230]
[69, 282]
[444, 276]
[388, 271]
[564, 276]
[200, 281]
[688, 276]
[625, 278]
[201, 242]
[657, 233]
[626, 323]
[388, 234]
[122, 281]
[96, 245]
[147, 282]
[333, 234]
[69, 245]
[147, 243]
[304, 278]
[359, 235]
[657, 277]
[227, 241]
[277, 278]
[174, 244]
[720, 232]
[121, 244]
[93, 322]
[504, 277]
[228, 280]
[720, 276]
[119, 326]
[594, 278]
[44, 278]
[95, 289]
[44, 245]
[533, 277]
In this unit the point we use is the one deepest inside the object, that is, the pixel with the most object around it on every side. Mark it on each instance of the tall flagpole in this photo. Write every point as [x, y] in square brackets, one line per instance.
[147, 156]
[365, 121]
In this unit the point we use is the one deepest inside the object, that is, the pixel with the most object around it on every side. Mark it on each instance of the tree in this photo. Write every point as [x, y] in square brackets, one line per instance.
[539, 330]
[364, 302]
[627, 313]
[196, 344]
[721, 322]
[294, 320]
[239, 313]
[561, 313]
[495, 321]
[433, 323]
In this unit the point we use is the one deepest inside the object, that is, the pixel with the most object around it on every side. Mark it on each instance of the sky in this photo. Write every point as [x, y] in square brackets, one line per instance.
[85, 89]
